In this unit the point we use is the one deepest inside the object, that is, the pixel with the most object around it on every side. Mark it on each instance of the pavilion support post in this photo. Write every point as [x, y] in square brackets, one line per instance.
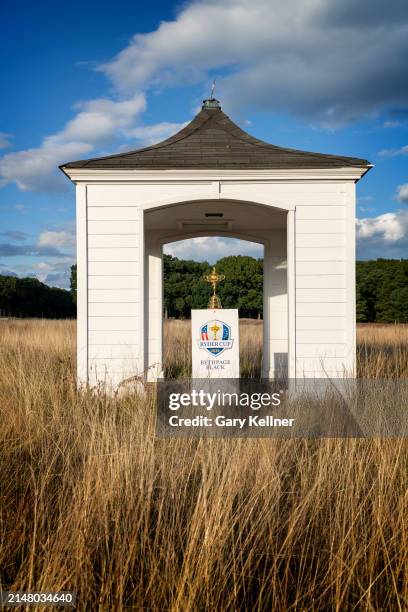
[153, 311]
[275, 336]
[291, 293]
[82, 284]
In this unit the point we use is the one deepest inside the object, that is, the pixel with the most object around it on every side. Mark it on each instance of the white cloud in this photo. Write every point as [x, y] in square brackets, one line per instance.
[391, 124]
[279, 56]
[96, 122]
[394, 152]
[55, 267]
[43, 265]
[35, 169]
[4, 140]
[55, 274]
[270, 55]
[150, 134]
[402, 193]
[384, 229]
[212, 248]
[56, 239]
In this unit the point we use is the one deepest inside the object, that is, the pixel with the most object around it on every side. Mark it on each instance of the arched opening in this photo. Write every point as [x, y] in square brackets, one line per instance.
[185, 263]
[246, 221]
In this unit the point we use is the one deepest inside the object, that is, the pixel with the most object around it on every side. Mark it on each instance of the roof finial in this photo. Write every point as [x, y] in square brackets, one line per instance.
[211, 103]
[212, 90]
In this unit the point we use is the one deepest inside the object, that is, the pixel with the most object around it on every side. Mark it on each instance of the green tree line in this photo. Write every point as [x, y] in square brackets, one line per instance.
[382, 290]
[381, 293]
[185, 287]
[28, 297]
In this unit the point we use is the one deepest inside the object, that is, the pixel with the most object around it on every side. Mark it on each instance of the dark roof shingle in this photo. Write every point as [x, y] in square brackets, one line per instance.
[211, 140]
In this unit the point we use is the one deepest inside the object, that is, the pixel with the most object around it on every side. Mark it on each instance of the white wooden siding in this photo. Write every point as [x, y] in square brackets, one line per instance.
[321, 281]
[320, 367]
[114, 254]
[324, 336]
[115, 292]
[326, 254]
[320, 323]
[300, 194]
[114, 323]
[323, 251]
[128, 352]
[322, 349]
[322, 339]
[318, 241]
[113, 227]
[114, 282]
[117, 337]
[112, 309]
[328, 309]
[308, 213]
[151, 192]
[319, 226]
[305, 268]
[114, 295]
[322, 296]
[110, 213]
[113, 268]
[102, 241]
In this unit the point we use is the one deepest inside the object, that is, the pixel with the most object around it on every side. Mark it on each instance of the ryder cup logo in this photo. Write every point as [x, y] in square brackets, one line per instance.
[215, 337]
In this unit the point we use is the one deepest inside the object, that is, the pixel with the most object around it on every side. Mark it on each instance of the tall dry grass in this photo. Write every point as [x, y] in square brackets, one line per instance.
[382, 350]
[91, 501]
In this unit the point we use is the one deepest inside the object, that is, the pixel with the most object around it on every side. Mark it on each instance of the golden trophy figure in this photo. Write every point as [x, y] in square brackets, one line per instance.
[214, 279]
[215, 328]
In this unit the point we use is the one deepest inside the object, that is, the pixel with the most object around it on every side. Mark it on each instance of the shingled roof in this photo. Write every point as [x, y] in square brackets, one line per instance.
[211, 140]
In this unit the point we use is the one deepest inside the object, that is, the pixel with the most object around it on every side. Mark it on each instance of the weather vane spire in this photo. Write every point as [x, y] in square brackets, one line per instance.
[212, 90]
[211, 103]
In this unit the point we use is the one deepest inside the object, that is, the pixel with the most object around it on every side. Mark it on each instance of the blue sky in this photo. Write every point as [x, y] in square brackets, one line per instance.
[93, 78]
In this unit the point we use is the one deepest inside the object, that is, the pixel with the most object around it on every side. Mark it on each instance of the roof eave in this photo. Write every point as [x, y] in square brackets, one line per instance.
[349, 173]
[63, 170]
[366, 169]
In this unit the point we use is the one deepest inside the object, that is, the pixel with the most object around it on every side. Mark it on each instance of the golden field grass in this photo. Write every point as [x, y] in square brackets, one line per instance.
[382, 350]
[91, 501]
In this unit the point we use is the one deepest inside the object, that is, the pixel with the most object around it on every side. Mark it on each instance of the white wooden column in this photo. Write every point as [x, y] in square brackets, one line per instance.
[275, 347]
[153, 310]
[82, 284]
[291, 288]
[350, 275]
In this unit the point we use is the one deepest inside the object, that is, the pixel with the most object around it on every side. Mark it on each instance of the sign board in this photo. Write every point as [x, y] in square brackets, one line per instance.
[215, 343]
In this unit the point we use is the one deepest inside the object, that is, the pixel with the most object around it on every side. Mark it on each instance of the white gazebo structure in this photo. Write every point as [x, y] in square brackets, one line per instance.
[213, 179]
